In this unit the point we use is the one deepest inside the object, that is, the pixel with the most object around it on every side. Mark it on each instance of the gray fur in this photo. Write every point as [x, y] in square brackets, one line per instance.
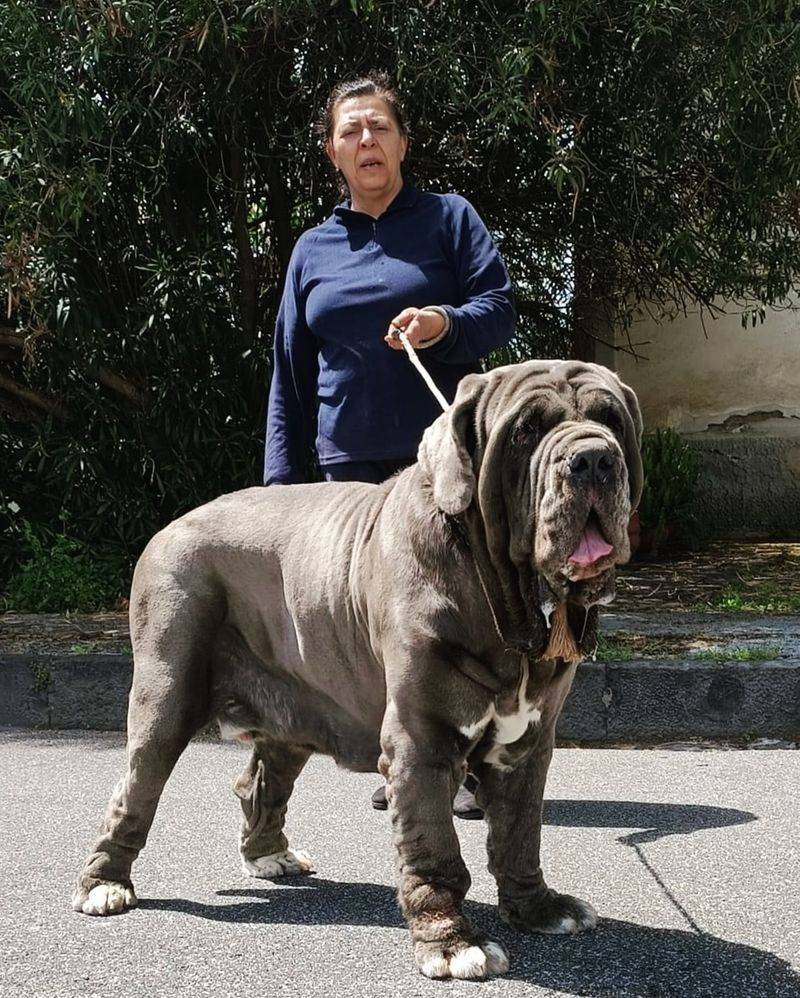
[373, 623]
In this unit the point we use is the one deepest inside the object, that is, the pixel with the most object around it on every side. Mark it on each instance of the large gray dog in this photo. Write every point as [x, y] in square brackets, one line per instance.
[407, 627]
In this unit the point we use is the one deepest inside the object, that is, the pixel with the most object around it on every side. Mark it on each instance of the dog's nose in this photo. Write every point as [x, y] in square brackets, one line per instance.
[592, 465]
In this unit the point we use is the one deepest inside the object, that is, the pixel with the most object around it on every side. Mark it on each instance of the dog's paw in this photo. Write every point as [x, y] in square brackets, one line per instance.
[104, 899]
[279, 864]
[554, 914]
[467, 961]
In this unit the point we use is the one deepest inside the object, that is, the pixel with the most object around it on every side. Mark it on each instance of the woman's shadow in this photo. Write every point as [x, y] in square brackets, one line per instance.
[618, 959]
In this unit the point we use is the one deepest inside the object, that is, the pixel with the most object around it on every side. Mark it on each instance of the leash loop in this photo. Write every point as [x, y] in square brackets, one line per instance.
[561, 640]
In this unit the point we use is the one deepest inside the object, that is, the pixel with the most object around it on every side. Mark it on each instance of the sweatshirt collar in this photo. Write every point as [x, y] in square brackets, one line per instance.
[407, 196]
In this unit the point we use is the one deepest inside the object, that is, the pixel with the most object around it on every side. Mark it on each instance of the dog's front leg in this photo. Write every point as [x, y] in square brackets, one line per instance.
[512, 800]
[423, 769]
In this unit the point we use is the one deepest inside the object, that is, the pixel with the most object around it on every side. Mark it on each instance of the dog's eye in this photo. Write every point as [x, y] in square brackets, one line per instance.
[614, 422]
[608, 416]
[526, 432]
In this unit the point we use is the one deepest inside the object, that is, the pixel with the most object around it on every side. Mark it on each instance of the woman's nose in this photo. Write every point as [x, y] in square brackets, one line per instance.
[366, 136]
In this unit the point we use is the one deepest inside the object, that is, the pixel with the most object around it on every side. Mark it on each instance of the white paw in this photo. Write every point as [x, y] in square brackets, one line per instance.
[569, 925]
[279, 864]
[469, 963]
[105, 899]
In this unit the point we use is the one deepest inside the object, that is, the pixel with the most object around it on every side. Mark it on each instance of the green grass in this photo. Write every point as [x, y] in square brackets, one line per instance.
[622, 647]
[90, 647]
[766, 598]
[85, 647]
[753, 653]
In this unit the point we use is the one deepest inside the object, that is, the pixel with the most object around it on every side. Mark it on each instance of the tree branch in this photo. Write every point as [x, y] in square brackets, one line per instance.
[50, 406]
[114, 382]
[118, 384]
[11, 339]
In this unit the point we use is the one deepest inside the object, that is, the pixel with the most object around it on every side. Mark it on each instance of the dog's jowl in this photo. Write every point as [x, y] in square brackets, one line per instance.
[419, 626]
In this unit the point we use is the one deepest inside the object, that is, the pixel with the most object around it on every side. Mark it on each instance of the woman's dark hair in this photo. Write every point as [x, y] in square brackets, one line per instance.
[374, 84]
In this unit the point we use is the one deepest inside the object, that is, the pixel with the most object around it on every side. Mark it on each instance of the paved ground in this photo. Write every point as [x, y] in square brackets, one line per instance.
[691, 858]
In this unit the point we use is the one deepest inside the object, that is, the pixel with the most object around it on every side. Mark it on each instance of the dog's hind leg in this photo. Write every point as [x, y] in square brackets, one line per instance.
[167, 705]
[264, 788]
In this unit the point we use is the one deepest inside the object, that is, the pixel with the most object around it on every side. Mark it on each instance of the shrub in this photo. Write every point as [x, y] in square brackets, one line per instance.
[64, 574]
[670, 479]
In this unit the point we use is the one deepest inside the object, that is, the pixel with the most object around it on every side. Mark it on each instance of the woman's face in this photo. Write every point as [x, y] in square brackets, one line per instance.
[367, 147]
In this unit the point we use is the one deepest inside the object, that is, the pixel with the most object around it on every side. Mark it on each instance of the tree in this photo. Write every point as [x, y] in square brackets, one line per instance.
[158, 161]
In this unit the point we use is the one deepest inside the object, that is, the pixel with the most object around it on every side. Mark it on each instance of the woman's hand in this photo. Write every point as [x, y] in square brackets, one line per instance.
[420, 325]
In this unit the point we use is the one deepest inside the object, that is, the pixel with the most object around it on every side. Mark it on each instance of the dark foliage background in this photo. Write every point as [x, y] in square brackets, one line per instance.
[157, 162]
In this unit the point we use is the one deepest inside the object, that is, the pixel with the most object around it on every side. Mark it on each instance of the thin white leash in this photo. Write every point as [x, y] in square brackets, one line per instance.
[400, 334]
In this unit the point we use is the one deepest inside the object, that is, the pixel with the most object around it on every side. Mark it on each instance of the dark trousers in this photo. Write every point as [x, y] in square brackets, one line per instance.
[365, 471]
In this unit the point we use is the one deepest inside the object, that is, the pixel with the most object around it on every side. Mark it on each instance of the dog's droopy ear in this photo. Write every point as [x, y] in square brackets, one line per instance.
[633, 445]
[444, 453]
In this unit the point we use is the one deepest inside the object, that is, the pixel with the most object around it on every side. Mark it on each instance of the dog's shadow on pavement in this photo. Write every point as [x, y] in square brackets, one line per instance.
[619, 958]
[653, 821]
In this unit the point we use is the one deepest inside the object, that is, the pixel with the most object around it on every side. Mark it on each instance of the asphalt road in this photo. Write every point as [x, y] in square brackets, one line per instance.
[691, 859]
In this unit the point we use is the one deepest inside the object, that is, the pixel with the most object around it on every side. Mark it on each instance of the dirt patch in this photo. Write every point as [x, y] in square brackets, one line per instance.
[737, 577]
[81, 634]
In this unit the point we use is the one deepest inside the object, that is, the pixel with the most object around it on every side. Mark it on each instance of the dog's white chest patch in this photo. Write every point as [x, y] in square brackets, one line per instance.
[508, 728]
[511, 727]
[473, 731]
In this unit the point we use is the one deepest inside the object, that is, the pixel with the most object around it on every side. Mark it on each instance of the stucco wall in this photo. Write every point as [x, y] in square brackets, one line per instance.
[735, 396]
[691, 382]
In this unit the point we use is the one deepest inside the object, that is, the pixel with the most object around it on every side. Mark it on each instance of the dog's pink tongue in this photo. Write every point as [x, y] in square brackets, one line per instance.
[591, 547]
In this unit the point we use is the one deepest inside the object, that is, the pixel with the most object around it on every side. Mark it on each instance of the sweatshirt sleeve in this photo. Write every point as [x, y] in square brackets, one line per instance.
[291, 413]
[485, 320]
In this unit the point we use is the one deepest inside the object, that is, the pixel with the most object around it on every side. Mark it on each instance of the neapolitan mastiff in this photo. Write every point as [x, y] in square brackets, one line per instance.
[409, 626]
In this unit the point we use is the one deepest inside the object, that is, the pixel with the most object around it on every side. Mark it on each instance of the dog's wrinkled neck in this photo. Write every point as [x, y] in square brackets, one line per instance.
[546, 630]
[518, 621]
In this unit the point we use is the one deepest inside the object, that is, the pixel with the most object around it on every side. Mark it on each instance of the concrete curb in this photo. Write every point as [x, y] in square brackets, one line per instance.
[640, 700]
[65, 691]
[662, 700]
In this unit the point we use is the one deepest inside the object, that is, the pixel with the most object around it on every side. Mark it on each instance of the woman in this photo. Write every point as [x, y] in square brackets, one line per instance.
[390, 257]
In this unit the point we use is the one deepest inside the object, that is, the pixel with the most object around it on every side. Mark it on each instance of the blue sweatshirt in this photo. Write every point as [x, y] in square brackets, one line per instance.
[337, 387]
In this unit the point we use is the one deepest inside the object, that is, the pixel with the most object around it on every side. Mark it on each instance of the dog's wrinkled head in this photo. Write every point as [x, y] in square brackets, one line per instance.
[546, 455]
